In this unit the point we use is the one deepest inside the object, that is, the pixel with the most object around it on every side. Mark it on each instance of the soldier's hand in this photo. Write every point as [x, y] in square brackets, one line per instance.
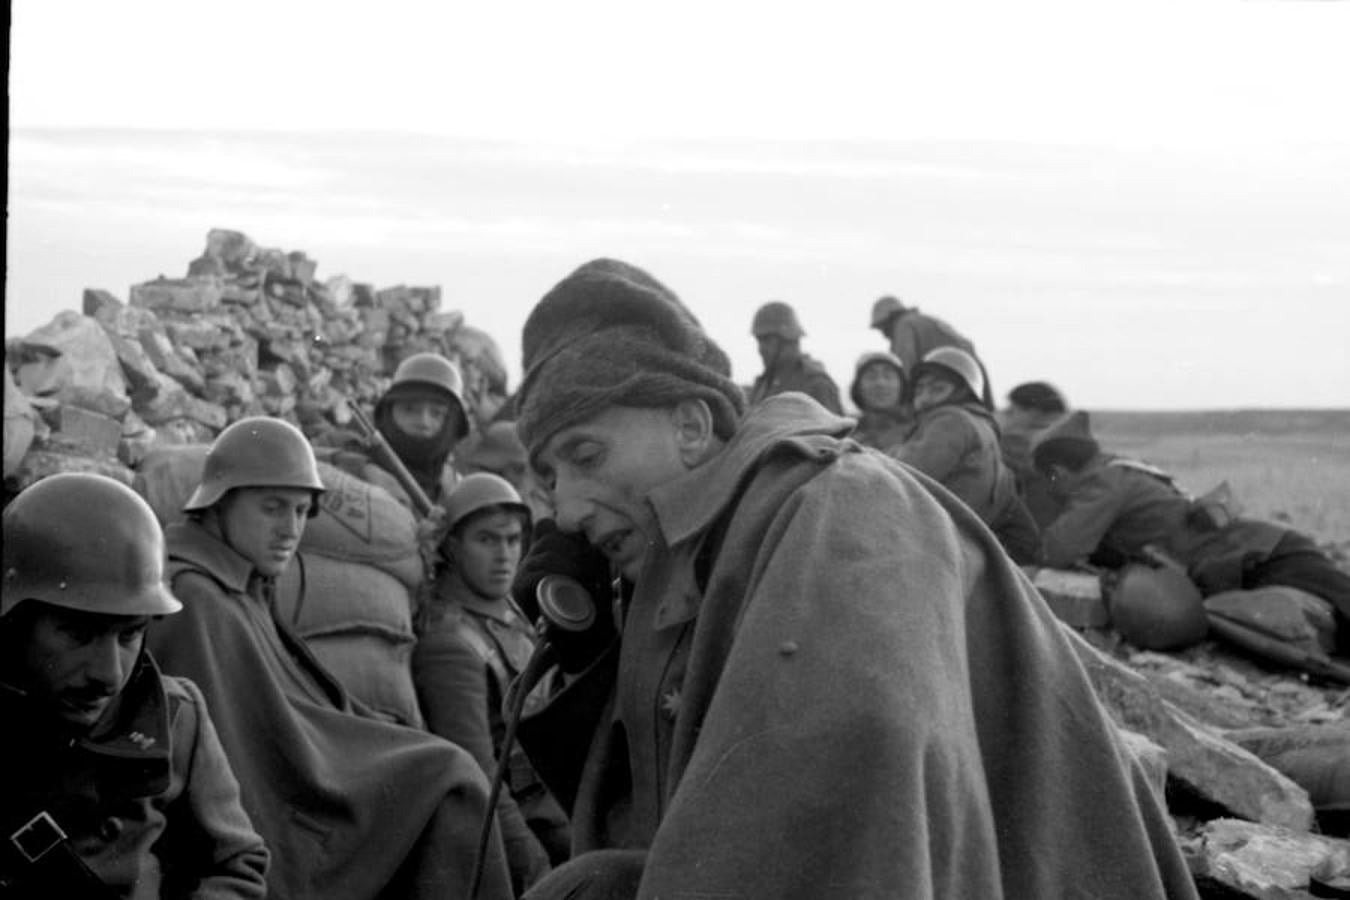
[554, 552]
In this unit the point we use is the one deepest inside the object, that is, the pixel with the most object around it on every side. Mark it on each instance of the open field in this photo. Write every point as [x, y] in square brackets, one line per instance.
[1291, 466]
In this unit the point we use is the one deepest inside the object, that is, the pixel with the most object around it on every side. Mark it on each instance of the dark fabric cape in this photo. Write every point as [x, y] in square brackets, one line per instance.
[857, 695]
[340, 797]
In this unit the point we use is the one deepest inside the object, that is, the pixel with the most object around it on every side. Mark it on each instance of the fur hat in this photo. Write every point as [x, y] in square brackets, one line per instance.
[610, 334]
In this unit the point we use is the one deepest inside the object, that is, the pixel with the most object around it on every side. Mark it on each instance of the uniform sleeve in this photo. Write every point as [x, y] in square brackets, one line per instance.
[938, 446]
[1093, 504]
[452, 688]
[234, 859]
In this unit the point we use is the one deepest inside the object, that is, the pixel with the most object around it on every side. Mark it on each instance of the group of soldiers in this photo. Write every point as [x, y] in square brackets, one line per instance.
[1033, 471]
[749, 646]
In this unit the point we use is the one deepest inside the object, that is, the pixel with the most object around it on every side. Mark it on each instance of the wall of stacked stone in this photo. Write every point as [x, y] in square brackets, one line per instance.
[248, 331]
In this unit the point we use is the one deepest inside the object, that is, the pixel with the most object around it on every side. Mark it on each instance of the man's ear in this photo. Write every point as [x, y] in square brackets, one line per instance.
[693, 420]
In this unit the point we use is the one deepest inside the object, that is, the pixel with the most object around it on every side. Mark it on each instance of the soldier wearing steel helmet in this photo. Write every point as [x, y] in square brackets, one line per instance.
[352, 806]
[114, 781]
[423, 416]
[1119, 510]
[880, 390]
[472, 643]
[913, 334]
[786, 367]
[956, 443]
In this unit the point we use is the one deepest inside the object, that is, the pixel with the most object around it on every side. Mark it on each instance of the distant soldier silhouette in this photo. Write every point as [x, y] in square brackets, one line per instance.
[786, 367]
[914, 334]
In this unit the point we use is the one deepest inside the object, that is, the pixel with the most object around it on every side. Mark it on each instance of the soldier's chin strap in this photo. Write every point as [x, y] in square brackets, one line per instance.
[564, 605]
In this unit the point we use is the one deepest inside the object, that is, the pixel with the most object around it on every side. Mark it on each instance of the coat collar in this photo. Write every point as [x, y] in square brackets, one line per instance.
[458, 593]
[135, 726]
[190, 542]
[784, 423]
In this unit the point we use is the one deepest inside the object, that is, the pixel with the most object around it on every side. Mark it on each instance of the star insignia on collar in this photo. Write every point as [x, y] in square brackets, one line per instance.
[670, 703]
[145, 742]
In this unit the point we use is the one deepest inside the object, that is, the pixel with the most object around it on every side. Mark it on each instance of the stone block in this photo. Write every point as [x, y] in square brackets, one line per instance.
[21, 425]
[1198, 760]
[96, 301]
[302, 268]
[233, 248]
[139, 372]
[207, 265]
[341, 292]
[181, 365]
[91, 433]
[1267, 862]
[71, 359]
[184, 295]
[229, 389]
[201, 333]
[175, 402]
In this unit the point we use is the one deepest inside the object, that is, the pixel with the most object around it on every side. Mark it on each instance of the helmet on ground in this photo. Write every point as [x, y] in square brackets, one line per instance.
[885, 309]
[1157, 609]
[85, 542]
[431, 372]
[480, 491]
[259, 451]
[956, 361]
[882, 357]
[778, 319]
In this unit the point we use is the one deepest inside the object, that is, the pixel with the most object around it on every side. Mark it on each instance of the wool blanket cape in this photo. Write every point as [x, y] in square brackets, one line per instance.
[833, 683]
[347, 802]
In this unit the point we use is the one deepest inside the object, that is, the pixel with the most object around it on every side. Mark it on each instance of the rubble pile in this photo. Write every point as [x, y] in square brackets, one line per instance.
[247, 331]
[1244, 757]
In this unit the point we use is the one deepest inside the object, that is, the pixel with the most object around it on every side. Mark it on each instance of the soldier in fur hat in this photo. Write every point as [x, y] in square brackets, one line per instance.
[816, 677]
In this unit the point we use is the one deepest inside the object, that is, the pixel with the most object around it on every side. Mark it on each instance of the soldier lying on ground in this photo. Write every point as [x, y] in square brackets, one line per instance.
[824, 678]
[1033, 406]
[472, 642]
[956, 443]
[1119, 510]
[352, 807]
[114, 782]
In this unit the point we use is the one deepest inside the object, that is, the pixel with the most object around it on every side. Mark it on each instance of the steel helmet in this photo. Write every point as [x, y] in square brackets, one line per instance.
[480, 491]
[884, 310]
[257, 452]
[86, 542]
[433, 371]
[1157, 609]
[867, 359]
[778, 319]
[959, 363]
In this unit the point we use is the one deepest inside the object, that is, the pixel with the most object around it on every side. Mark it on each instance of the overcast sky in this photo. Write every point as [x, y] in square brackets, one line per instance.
[1158, 187]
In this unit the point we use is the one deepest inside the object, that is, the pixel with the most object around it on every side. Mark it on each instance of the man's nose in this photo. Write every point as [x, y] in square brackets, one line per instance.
[292, 525]
[570, 510]
[107, 665]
